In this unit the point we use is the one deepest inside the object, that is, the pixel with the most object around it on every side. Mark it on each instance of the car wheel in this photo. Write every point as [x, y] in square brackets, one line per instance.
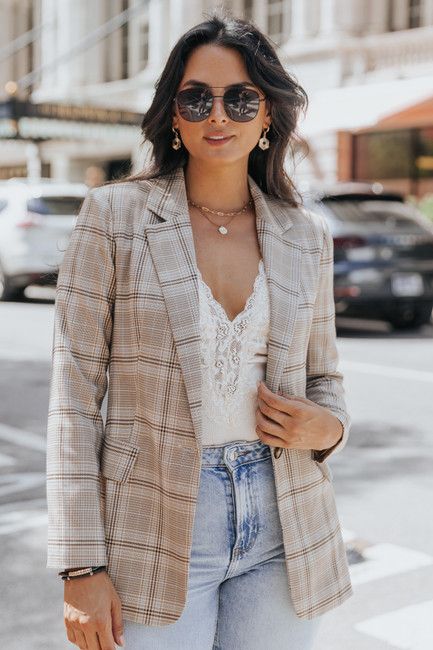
[420, 315]
[6, 291]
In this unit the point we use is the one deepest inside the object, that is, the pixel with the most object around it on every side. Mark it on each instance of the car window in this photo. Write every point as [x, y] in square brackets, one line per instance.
[55, 205]
[391, 214]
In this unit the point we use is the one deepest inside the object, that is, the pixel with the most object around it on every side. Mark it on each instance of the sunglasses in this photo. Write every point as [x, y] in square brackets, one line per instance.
[240, 104]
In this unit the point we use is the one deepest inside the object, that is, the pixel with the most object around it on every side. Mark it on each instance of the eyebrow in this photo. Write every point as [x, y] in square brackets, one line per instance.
[202, 84]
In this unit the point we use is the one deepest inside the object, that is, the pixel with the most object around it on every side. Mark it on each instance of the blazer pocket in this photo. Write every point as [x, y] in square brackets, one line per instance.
[117, 459]
[325, 469]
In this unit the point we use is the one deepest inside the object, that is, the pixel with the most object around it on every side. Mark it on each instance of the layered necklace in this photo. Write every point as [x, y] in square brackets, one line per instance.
[220, 227]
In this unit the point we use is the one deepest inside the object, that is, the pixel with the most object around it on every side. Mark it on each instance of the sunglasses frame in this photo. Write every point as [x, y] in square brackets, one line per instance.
[261, 99]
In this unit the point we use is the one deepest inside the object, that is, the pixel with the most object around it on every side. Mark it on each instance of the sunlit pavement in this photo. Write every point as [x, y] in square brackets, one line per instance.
[383, 484]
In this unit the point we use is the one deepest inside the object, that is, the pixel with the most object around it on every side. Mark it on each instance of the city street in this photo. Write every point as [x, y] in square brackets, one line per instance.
[383, 483]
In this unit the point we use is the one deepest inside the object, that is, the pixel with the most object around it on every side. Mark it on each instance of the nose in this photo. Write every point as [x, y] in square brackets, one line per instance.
[218, 113]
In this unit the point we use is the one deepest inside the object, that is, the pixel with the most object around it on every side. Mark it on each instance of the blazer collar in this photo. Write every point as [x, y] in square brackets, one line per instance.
[168, 200]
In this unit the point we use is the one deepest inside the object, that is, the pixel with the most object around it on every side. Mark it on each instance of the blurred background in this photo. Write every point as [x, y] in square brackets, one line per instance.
[75, 79]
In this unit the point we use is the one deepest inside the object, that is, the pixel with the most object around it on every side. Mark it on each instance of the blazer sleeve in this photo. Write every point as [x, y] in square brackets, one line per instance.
[85, 294]
[324, 381]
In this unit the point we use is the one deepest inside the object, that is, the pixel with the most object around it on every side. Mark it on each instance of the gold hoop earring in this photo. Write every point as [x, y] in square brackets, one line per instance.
[264, 142]
[176, 143]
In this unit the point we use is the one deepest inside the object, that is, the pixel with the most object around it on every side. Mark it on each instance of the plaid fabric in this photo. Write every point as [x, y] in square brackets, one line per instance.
[123, 492]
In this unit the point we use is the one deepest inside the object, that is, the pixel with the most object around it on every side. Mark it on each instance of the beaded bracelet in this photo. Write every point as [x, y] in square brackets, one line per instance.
[79, 573]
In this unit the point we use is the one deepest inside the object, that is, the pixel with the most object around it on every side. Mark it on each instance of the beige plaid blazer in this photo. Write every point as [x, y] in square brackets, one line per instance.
[123, 493]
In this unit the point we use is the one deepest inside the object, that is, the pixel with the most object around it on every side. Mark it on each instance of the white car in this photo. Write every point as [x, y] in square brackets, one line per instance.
[36, 221]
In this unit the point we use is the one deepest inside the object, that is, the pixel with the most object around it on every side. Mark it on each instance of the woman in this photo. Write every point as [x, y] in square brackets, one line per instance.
[207, 500]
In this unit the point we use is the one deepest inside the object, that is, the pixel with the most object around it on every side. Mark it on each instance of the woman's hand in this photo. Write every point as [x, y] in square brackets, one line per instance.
[295, 422]
[92, 612]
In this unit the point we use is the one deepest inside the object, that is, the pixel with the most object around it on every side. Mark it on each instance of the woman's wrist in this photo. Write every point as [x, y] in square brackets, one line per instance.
[72, 574]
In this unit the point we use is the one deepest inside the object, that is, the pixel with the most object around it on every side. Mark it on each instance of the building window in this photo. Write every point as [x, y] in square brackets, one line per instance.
[248, 9]
[390, 15]
[30, 47]
[415, 11]
[402, 159]
[143, 45]
[383, 155]
[424, 159]
[406, 16]
[278, 19]
[124, 36]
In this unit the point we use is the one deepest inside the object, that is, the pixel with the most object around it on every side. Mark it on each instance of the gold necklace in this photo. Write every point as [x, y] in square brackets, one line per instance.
[221, 228]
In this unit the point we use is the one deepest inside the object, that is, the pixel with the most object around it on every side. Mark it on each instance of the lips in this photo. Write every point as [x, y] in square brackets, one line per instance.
[219, 134]
[218, 138]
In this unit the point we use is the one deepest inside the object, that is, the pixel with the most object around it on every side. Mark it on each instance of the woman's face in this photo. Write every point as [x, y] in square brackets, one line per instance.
[219, 67]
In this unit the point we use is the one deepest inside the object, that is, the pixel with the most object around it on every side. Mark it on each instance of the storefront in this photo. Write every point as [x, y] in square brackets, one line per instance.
[62, 141]
[383, 132]
[398, 151]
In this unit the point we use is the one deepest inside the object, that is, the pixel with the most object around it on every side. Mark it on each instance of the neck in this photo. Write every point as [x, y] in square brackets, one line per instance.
[218, 187]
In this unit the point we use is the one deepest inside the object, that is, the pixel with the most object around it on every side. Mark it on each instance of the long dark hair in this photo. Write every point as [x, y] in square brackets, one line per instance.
[287, 99]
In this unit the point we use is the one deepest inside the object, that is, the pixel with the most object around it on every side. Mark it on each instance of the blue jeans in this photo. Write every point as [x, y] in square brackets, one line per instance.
[238, 593]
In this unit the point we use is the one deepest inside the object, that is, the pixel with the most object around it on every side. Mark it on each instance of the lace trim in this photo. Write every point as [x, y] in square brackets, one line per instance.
[227, 344]
[249, 301]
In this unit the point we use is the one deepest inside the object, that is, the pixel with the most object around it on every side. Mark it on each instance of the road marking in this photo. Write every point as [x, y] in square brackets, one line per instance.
[22, 438]
[12, 522]
[6, 461]
[20, 481]
[408, 628]
[382, 560]
[388, 371]
[348, 535]
[38, 503]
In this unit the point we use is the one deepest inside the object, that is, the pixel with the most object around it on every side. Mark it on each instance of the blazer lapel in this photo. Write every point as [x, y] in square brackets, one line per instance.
[171, 245]
[282, 257]
[172, 249]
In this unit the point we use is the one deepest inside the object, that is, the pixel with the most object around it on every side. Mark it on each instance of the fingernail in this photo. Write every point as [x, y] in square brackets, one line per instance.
[122, 639]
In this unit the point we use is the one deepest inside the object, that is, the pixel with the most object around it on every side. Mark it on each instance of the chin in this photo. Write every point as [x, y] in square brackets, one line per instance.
[227, 157]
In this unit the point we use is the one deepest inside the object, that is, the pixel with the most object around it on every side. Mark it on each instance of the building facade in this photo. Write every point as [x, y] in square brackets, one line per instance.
[367, 67]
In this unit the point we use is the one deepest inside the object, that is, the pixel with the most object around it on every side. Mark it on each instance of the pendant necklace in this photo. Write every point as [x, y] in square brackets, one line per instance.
[221, 228]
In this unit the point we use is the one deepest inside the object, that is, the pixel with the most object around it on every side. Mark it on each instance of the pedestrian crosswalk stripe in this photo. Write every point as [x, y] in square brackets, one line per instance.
[13, 522]
[6, 460]
[383, 560]
[408, 628]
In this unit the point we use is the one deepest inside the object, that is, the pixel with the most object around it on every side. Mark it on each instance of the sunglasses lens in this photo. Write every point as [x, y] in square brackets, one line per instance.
[241, 104]
[194, 104]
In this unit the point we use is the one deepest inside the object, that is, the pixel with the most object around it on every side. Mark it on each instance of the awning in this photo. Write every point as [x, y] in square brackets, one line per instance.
[352, 108]
[47, 121]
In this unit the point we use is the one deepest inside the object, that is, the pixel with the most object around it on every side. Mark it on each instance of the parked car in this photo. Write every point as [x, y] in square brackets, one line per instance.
[383, 253]
[36, 221]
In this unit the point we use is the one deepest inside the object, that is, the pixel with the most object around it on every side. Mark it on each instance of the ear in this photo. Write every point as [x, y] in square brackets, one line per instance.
[268, 107]
[174, 120]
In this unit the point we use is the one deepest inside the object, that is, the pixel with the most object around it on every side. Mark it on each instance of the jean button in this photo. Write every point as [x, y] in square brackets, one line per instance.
[233, 454]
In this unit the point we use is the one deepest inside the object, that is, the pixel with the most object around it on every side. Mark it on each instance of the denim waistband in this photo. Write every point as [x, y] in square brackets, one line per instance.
[237, 452]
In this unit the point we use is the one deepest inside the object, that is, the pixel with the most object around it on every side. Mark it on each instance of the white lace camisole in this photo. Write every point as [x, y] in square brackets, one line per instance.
[233, 359]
